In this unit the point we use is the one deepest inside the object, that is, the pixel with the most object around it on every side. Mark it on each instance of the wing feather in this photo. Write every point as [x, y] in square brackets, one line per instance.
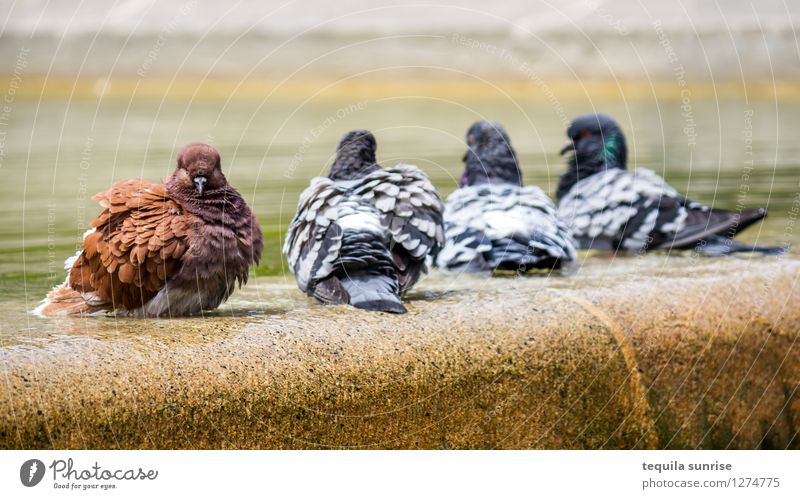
[636, 210]
[137, 243]
[412, 210]
[491, 225]
[409, 208]
[312, 241]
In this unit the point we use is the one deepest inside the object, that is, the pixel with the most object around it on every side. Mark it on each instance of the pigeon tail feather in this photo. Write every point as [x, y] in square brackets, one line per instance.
[508, 254]
[722, 246]
[706, 225]
[65, 301]
[373, 291]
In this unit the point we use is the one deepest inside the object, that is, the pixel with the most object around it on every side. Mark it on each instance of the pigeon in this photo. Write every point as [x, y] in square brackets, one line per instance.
[171, 249]
[362, 234]
[608, 207]
[493, 222]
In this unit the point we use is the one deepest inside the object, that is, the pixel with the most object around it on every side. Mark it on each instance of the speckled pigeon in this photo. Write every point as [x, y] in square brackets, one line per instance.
[608, 207]
[362, 234]
[492, 221]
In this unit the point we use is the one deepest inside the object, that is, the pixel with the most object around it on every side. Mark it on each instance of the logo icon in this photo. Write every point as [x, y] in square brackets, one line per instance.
[31, 472]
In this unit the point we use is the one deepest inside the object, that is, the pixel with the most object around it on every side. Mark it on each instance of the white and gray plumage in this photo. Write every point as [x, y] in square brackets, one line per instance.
[492, 222]
[608, 207]
[362, 234]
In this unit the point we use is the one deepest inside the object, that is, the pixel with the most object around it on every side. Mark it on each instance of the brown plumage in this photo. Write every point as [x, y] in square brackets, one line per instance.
[163, 249]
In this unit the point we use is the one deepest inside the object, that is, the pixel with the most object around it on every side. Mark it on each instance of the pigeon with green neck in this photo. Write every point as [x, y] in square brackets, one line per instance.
[608, 207]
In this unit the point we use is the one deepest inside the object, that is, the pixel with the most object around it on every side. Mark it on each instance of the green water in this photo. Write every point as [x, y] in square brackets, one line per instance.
[57, 153]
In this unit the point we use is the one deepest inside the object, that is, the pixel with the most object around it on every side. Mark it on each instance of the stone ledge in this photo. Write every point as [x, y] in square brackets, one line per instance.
[701, 354]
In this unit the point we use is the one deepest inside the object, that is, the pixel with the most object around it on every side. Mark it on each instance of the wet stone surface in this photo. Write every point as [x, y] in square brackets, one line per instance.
[648, 352]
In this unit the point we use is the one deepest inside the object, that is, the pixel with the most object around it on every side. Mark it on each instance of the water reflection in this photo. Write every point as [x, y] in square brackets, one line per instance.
[58, 153]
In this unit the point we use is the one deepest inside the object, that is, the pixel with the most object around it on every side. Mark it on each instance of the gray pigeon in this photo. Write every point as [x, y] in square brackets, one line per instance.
[492, 221]
[361, 235]
[608, 207]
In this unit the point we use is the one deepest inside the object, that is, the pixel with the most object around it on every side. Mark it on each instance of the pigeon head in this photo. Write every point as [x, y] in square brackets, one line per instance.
[198, 171]
[489, 157]
[355, 156]
[597, 140]
[597, 144]
[484, 133]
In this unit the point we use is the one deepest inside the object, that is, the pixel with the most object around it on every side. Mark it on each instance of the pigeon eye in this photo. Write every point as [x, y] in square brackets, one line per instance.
[586, 133]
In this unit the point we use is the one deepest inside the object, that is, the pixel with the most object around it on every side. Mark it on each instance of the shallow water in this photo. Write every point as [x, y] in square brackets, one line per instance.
[57, 153]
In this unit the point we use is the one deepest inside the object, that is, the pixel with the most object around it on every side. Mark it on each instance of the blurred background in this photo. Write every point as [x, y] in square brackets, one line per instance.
[708, 93]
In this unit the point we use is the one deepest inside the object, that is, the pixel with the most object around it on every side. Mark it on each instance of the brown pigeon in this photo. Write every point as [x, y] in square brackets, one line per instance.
[169, 249]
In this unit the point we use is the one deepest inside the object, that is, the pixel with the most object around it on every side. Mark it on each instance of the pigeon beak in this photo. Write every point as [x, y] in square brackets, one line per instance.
[199, 184]
[569, 146]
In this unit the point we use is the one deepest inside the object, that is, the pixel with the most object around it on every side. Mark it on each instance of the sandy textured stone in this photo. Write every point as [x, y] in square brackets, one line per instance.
[647, 353]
